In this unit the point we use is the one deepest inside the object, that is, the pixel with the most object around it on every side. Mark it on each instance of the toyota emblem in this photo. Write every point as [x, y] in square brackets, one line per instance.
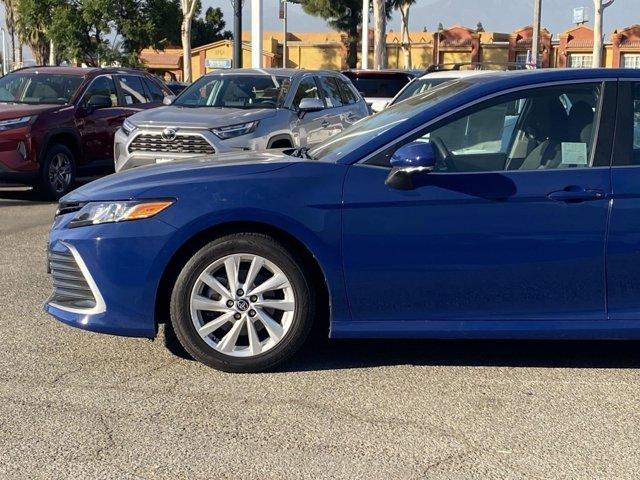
[168, 134]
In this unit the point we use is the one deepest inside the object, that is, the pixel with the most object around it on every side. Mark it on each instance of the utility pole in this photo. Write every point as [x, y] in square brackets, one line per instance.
[598, 8]
[364, 55]
[237, 33]
[283, 16]
[535, 41]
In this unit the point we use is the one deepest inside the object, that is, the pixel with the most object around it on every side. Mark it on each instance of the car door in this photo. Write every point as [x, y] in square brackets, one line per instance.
[310, 127]
[333, 98]
[355, 108]
[503, 229]
[96, 127]
[623, 255]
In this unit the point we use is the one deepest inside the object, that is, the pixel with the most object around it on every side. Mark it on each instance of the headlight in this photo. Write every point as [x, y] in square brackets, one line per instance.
[234, 130]
[108, 212]
[128, 127]
[15, 123]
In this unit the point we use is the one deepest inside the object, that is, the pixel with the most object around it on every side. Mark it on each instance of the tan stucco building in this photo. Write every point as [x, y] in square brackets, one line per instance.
[456, 44]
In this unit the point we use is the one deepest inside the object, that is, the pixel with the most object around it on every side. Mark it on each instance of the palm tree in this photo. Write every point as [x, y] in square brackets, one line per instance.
[404, 6]
[379, 34]
[10, 20]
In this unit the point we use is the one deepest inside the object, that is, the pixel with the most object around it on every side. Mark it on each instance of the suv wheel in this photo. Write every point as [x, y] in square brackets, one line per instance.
[58, 172]
[242, 304]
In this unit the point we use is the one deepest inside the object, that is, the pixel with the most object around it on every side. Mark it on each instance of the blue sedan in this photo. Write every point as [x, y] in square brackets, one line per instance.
[504, 205]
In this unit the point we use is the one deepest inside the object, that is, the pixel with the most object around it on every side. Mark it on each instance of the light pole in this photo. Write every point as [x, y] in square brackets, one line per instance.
[598, 8]
[284, 33]
[237, 33]
[364, 55]
[535, 41]
[4, 54]
[256, 33]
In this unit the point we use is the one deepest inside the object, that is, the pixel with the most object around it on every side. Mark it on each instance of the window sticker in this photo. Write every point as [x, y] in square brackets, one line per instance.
[128, 99]
[574, 153]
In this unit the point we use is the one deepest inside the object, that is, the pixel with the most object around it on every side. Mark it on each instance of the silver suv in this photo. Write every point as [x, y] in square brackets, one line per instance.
[241, 109]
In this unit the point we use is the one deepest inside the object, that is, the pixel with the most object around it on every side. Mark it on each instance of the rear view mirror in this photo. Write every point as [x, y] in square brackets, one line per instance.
[408, 160]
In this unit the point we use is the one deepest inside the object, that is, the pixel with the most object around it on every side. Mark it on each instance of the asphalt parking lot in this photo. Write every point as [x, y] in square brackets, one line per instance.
[81, 405]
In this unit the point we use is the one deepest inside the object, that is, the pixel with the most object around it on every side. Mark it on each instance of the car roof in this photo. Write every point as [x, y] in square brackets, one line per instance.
[456, 73]
[378, 73]
[287, 72]
[79, 71]
[531, 77]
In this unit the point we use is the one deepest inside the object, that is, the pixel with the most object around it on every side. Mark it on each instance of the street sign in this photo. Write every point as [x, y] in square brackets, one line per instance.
[218, 63]
[580, 15]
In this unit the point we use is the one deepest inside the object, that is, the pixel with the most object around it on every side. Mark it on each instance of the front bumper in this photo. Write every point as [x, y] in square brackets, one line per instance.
[123, 263]
[125, 158]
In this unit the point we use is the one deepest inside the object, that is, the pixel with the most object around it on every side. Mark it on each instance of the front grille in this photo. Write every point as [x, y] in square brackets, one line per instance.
[70, 287]
[190, 144]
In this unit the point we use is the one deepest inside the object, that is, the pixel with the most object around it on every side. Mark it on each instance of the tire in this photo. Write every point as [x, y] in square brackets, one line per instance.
[243, 336]
[58, 173]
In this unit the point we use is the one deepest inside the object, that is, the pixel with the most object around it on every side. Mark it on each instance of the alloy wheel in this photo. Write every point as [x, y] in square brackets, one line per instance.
[242, 305]
[60, 172]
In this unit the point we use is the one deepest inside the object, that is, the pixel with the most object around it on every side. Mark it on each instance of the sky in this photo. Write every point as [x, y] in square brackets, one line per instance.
[496, 15]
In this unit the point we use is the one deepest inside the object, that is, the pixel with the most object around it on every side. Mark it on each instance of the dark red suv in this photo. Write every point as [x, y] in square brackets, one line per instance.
[58, 122]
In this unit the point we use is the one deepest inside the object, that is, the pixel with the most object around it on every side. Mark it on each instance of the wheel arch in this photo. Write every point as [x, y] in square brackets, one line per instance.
[67, 137]
[201, 238]
[280, 138]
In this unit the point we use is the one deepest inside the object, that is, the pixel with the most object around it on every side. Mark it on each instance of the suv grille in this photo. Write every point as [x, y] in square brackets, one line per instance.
[70, 288]
[193, 144]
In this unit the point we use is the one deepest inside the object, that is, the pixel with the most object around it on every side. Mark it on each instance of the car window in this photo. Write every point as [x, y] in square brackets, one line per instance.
[331, 91]
[35, 88]
[347, 94]
[154, 90]
[531, 130]
[306, 89]
[379, 86]
[102, 85]
[420, 86]
[132, 89]
[636, 124]
[235, 91]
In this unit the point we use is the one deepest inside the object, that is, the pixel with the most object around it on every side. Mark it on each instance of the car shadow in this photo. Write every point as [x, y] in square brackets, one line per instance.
[324, 354]
[349, 354]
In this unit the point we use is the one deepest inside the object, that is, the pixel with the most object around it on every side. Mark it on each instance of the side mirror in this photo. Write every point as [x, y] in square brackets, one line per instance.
[168, 99]
[98, 101]
[311, 105]
[379, 106]
[408, 160]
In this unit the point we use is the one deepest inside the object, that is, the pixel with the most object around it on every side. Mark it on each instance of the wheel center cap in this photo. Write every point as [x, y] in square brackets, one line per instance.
[243, 305]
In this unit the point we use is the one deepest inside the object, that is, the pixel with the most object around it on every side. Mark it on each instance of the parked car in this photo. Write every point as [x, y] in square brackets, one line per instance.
[425, 83]
[379, 86]
[418, 222]
[58, 122]
[243, 109]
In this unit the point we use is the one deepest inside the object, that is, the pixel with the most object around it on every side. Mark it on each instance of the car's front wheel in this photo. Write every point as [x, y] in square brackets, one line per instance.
[58, 172]
[242, 303]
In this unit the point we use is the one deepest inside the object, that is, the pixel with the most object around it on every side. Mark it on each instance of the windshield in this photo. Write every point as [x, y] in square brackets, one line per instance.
[380, 86]
[420, 86]
[365, 130]
[35, 88]
[235, 91]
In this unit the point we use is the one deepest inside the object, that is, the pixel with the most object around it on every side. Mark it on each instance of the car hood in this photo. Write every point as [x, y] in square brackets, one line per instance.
[15, 110]
[198, 117]
[131, 184]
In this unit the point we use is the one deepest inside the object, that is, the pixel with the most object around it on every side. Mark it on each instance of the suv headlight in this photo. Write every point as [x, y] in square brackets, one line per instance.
[231, 131]
[108, 212]
[15, 122]
[128, 127]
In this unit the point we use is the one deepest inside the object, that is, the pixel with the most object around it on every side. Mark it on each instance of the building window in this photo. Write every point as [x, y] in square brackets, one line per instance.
[630, 60]
[580, 60]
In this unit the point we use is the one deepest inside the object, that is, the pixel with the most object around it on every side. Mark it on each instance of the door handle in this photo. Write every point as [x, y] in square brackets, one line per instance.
[575, 194]
[325, 123]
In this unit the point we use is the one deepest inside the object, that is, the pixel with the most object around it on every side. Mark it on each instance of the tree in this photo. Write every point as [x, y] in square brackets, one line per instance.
[379, 34]
[9, 13]
[188, 10]
[33, 19]
[404, 6]
[208, 29]
[341, 15]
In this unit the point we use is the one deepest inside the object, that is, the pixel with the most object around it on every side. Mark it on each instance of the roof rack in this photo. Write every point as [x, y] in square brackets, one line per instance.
[444, 67]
